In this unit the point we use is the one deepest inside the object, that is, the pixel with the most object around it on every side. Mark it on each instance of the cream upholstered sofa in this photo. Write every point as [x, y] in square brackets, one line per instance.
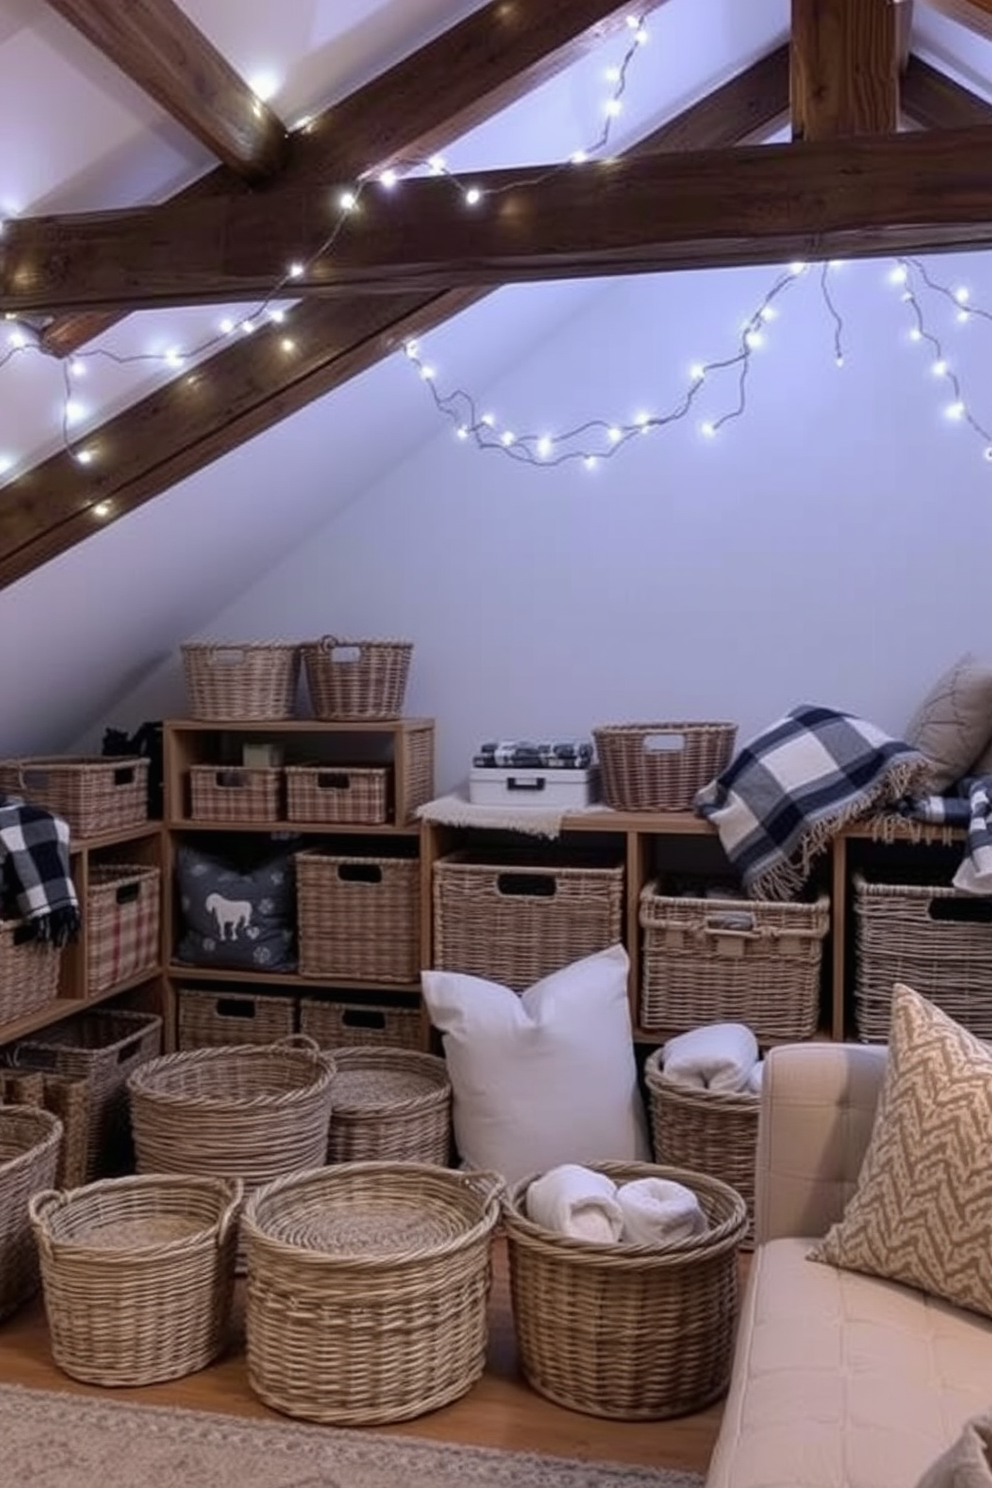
[840, 1380]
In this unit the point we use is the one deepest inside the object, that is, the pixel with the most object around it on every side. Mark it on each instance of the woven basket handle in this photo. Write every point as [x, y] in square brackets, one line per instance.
[348, 651]
[309, 1046]
[664, 741]
[488, 1185]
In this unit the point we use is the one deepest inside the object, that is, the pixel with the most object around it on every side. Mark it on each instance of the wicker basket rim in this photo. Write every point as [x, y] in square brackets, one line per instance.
[47, 1203]
[656, 1080]
[143, 1080]
[485, 1187]
[240, 645]
[870, 888]
[49, 1135]
[666, 726]
[332, 642]
[430, 1070]
[74, 761]
[724, 1236]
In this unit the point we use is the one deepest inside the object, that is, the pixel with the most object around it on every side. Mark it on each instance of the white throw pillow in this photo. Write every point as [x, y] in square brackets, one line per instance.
[543, 1077]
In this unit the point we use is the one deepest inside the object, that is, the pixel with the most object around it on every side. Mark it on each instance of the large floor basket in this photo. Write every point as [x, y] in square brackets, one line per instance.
[368, 1286]
[30, 1139]
[390, 1105]
[634, 1332]
[707, 1131]
[138, 1275]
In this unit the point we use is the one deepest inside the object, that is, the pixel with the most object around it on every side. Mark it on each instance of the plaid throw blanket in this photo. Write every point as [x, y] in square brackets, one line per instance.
[970, 807]
[793, 787]
[34, 871]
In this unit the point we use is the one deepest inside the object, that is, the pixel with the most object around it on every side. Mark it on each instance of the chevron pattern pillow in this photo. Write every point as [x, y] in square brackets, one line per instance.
[922, 1210]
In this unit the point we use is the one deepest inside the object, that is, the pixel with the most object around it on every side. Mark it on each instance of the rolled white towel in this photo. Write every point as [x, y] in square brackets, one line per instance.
[658, 1211]
[718, 1056]
[756, 1076]
[576, 1201]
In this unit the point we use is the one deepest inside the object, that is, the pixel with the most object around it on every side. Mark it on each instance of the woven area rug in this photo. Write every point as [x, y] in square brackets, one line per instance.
[54, 1440]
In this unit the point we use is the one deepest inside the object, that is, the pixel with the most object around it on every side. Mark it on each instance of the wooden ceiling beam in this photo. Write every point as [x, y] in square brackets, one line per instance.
[976, 15]
[469, 73]
[256, 382]
[874, 194]
[934, 101]
[845, 67]
[157, 46]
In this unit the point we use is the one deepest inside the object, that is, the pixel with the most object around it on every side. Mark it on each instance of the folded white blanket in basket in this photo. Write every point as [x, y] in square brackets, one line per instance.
[658, 1211]
[756, 1076]
[576, 1201]
[718, 1056]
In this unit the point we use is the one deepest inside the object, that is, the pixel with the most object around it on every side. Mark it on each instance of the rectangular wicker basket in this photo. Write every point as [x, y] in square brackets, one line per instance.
[731, 960]
[29, 970]
[333, 794]
[93, 794]
[516, 922]
[358, 918]
[213, 1019]
[335, 1023]
[235, 793]
[660, 766]
[123, 922]
[356, 679]
[102, 1047]
[241, 680]
[933, 938]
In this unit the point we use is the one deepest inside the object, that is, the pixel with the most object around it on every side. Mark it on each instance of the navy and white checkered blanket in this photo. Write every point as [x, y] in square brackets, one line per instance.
[970, 807]
[794, 786]
[34, 871]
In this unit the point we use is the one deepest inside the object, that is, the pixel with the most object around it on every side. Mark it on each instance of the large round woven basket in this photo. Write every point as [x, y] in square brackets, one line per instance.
[30, 1139]
[709, 1131]
[249, 1111]
[138, 1275]
[356, 679]
[634, 1332]
[242, 680]
[368, 1286]
[390, 1105]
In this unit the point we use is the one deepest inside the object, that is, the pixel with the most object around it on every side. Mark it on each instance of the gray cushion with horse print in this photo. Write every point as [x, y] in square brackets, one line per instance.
[233, 914]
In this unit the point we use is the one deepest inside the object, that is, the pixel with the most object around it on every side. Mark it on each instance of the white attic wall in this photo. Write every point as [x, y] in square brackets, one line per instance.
[829, 546]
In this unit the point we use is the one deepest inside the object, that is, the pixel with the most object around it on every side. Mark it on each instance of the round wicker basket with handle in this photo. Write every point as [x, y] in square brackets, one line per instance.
[138, 1275]
[390, 1105]
[30, 1142]
[368, 1286]
[634, 1332]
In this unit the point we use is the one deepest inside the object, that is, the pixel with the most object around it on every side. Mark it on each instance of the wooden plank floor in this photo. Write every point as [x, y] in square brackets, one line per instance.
[500, 1411]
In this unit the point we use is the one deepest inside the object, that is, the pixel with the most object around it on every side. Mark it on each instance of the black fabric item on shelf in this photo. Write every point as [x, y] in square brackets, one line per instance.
[146, 742]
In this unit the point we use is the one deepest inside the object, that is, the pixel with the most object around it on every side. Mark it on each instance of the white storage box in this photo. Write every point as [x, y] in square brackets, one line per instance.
[557, 790]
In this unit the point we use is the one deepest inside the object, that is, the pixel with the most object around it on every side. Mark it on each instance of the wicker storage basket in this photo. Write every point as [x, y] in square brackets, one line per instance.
[660, 766]
[248, 1111]
[635, 1332]
[30, 1140]
[356, 679]
[214, 1019]
[336, 1024]
[937, 940]
[102, 1047]
[93, 795]
[138, 1275]
[358, 918]
[66, 1099]
[241, 680]
[123, 920]
[521, 921]
[367, 1290]
[29, 970]
[390, 1105]
[326, 793]
[235, 793]
[706, 1131]
[731, 961]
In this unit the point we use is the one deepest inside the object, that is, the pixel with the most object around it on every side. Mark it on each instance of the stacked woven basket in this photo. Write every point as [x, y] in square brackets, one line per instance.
[346, 679]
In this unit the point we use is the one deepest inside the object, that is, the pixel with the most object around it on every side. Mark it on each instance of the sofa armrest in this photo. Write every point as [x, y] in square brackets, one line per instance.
[817, 1108]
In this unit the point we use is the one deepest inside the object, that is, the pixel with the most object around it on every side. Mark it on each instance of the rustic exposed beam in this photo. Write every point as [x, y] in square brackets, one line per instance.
[469, 73]
[934, 101]
[696, 209]
[155, 43]
[253, 384]
[845, 68]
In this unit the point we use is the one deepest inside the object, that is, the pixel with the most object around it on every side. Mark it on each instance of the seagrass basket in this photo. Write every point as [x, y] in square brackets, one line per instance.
[29, 970]
[633, 1332]
[368, 1286]
[707, 1131]
[65, 1098]
[660, 766]
[138, 1275]
[390, 1105]
[30, 1141]
[356, 679]
[241, 680]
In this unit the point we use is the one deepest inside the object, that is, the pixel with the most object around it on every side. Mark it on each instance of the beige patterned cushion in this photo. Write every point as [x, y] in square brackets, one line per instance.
[953, 723]
[966, 1463]
[922, 1210]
